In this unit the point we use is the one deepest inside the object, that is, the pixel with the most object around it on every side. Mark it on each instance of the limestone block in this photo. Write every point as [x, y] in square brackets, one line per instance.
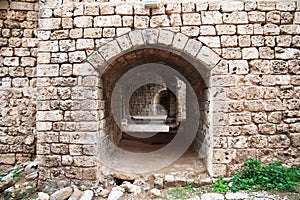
[244, 41]
[188, 7]
[271, 29]
[84, 69]
[266, 53]
[67, 22]
[258, 141]
[165, 37]
[232, 6]
[228, 41]
[209, 57]
[161, 10]
[295, 139]
[136, 38]
[180, 41]
[66, 160]
[124, 42]
[286, 6]
[260, 66]
[49, 24]
[225, 29]
[107, 9]
[190, 30]
[29, 42]
[192, 47]
[193, 19]
[297, 18]
[122, 31]
[239, 142]
[89, 174]
[286, 18]
[254, 105]
[53, 115]
[173, 8]
[139, 9]
[158, 21]
[60, 34]
[127, 21]
[124, 9]
[257, 40]
[76, 56]
[249, 129]
[110, 50]
[47, 46]
[245, 29]
[274, 105]
[214, 5]
[273, 17]
[67, 45]
[238, 67]
[210, 41]
[223, 80]
[59, 148]
[21, 6]
[224, 155]
[286, 53]
[275, 117]
[265, 5]
[82, 44]
[141, 22]
[83, 21]
[256, 17]
[175, 20]
[84, 161]
[28, 61]
[258, 29]
[278, 141]
[239, 118]
[250, 53]
[11, 61]
[108, 21]
[59, 57]
[290, 29]
[231, 53]
[235, 18]
[211, 17]
[207, 30]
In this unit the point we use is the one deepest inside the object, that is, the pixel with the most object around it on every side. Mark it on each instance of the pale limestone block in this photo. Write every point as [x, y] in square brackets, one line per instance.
[211, 17]
[173, 8]
[188, 7]
[77, 56]
[165, 37]
[290, 29]
[238, 67]
[214, 5]
[232, 53]
[53, 115]
[124, 9]
[286, 5]
[210, 41]
[232, 6]
[250, 5]
[67, 45]
[83, 21]
[200, 6]
[297, 18]
[107, 9]
[273, 17]
[245, 29]
[141, 22]
[239, 142]
[59, 57]
[44, 70]
[258, 29]
[266, 53]
[84, 69]
[221, 156]
[136, 38]
[45, 12]
[250, 53]
[110, 50]
[228, 41]
[92, 32]
[127, 21]
[192, 47]
[67, 23]
[180, 41]
[239, 118]
[139, 9]
[257, 17]
[122, 31]
[108, 21]
[43, 126]
[209, 57]
[97, 62]
[66, 70]
[193, 19]
[75, 33]
[235, 18]
[284, 40]
[21, 6]
[59, 34]
[220, 68]
[28, 62]
[190, 30]
[124, 42]
[257, 41]
[158, 21]
[151, 36]
[286, 53]
[266, 5]
[225, 29]
[49, 24]
[43, 58]
[78, 9]
[91, 10]
[109, 32]
[175, 20]
[11, 61]
[207, 30]
[161, 10]
[63, 11]
[244, 41]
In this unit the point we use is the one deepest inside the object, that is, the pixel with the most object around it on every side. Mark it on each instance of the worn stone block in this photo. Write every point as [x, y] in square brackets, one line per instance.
[108, 21]
[192, 19]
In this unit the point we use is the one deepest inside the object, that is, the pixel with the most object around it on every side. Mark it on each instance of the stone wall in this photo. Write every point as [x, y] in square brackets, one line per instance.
[18, 51]
[250, 52]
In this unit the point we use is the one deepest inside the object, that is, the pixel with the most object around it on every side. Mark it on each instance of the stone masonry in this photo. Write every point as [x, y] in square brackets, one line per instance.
[54, 105]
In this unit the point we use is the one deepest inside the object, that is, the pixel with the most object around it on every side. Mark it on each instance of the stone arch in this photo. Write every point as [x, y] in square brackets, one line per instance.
[202, 58]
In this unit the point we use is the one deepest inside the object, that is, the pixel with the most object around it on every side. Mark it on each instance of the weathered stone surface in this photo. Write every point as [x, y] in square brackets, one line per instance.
[63, 193]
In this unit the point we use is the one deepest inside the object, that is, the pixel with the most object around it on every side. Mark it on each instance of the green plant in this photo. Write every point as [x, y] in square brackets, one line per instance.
[220, 185]
[255, 175]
